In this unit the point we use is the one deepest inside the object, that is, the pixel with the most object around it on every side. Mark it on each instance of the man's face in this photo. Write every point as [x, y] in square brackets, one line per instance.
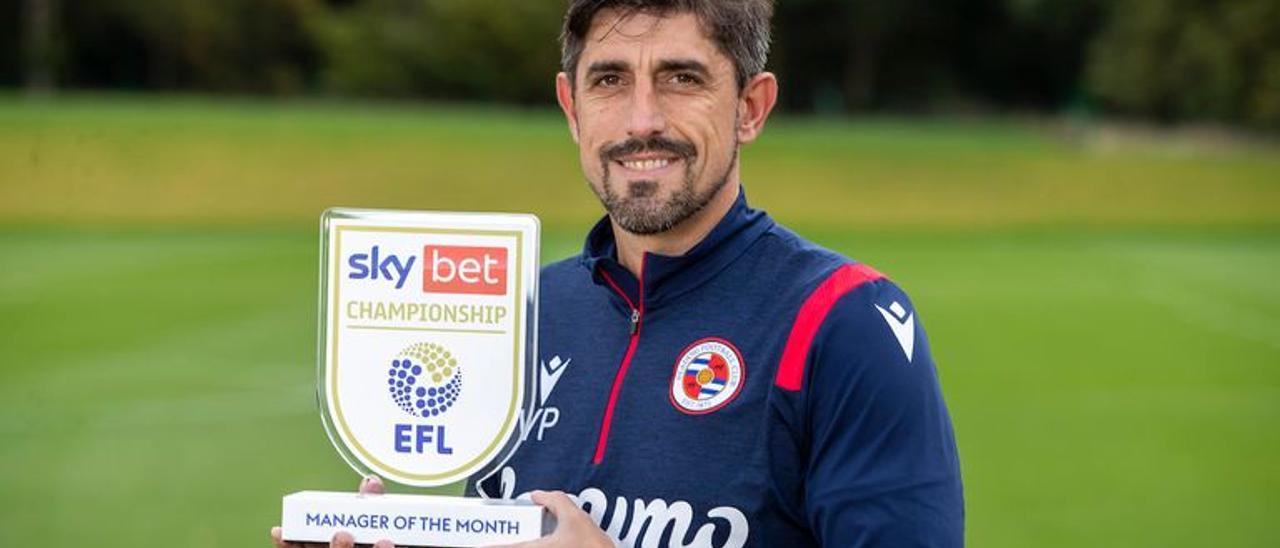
[654, 109]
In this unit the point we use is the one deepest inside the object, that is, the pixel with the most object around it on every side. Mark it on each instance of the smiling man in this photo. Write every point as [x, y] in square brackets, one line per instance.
[714, 379]
[707, 377]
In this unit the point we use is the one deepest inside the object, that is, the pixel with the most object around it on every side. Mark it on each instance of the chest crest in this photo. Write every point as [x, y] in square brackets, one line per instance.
[708, 374]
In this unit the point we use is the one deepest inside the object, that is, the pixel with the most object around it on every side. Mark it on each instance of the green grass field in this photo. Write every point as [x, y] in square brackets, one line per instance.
[1106, 319]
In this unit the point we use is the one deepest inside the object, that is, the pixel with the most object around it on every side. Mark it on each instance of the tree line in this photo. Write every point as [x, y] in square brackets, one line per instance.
[1166, 60]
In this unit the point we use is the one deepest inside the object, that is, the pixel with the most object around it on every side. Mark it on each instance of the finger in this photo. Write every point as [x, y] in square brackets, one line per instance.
[277, 538]
[544, 542]
[557, 502]
[342, 539]
[372, 485]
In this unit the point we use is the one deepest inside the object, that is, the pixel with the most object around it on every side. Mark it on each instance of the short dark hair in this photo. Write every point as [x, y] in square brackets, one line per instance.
[740, 28]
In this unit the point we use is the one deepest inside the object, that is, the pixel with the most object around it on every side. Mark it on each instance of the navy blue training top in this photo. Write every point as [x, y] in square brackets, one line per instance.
[756, 391]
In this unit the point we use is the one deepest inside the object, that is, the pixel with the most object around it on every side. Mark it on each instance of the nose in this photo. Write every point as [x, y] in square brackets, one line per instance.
[646, 118]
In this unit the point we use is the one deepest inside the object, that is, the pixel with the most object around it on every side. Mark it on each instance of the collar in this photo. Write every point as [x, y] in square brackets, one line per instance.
[663, 276]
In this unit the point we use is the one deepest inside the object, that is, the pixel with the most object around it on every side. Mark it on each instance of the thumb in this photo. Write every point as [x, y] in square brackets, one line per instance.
[557, 502]
[372, 485]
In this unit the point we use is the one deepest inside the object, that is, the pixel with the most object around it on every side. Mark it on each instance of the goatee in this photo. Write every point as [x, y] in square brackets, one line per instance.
[639, 209]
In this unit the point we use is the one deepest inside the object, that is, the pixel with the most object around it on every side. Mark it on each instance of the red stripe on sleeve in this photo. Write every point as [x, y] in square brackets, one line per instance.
[809, 319]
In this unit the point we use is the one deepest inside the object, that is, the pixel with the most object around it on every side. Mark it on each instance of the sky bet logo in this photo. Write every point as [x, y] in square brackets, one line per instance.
[449, 269]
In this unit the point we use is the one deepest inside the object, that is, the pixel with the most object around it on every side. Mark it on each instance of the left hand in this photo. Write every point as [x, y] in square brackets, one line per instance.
[574, 528]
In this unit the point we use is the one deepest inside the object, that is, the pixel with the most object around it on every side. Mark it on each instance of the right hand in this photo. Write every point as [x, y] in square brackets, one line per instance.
[370, 485]
[574, 528]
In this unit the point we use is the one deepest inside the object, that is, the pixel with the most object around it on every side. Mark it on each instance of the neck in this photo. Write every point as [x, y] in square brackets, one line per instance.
[678, 239]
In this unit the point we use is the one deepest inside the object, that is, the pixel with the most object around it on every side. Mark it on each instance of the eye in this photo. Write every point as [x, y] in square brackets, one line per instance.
[608, 81]
[686, 79]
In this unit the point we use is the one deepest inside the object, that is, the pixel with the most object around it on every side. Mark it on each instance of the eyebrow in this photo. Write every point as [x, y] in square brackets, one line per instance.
[689, 65]
[666, 65]
[607, 66]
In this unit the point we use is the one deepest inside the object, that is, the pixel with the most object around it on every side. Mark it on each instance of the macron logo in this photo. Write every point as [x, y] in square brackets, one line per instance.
[551, 372]
[903, 326]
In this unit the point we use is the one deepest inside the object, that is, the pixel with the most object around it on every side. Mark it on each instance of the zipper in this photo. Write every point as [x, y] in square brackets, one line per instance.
[637, 312]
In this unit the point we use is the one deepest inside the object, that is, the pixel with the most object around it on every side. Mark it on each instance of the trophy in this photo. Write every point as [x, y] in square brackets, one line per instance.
[427, 339]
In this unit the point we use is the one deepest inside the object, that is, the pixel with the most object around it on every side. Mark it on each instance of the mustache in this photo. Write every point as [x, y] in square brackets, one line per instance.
[615, 152]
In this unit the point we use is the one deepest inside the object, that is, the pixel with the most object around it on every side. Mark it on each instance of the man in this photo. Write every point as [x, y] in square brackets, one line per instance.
[715, 379]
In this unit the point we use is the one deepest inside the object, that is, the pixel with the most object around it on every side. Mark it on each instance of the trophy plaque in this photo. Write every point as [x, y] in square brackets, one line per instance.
[428, 324]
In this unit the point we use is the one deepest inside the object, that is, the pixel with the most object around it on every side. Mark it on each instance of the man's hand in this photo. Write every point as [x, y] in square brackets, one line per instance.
[370, 485]
[574, 527]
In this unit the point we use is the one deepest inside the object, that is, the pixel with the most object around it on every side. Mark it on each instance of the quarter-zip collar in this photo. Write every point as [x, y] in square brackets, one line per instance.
[666, 277]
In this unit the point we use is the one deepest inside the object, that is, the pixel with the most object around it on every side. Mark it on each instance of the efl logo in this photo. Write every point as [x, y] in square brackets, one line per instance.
[464, 269]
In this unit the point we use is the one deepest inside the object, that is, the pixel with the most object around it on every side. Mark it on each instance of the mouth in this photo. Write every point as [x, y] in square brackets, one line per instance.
[647, 164]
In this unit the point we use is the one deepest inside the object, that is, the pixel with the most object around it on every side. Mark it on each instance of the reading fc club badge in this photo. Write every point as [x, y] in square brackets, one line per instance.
[708, 375]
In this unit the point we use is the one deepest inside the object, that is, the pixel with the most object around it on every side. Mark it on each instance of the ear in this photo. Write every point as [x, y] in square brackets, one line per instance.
[564, 96]
[757, 101]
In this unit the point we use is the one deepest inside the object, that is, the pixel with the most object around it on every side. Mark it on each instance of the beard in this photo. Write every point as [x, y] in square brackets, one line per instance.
[638, 207]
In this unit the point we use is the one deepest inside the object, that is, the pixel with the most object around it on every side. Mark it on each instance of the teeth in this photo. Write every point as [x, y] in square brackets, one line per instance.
[646, 165]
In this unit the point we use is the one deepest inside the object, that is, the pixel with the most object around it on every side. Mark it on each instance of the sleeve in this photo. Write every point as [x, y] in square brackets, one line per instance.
[882, 463]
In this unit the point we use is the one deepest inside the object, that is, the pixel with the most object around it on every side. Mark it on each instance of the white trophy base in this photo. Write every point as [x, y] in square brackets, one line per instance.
[412, 520]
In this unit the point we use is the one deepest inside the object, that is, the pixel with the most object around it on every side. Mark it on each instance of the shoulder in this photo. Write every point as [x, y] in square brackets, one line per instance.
[807, 262]
[872, 348]
[565, 284]
[563, 269]
[839, 293]
[874, 316]
[838, 300]
[829, 281]
[566, 274]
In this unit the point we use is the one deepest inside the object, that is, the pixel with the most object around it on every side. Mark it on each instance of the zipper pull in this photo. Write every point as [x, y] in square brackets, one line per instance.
[635, 320]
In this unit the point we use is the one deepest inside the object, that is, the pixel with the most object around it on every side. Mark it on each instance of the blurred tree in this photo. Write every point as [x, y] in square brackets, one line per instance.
[11, 48]
[836, 55]
[38, 44]
[1191, 60]
[1044, 55]
[229, 45]
[1170, 59]
[931, 54]
[503, 50]
[369, 48]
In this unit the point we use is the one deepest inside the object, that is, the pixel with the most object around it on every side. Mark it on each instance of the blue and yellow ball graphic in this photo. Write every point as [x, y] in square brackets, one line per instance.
[425, 380]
